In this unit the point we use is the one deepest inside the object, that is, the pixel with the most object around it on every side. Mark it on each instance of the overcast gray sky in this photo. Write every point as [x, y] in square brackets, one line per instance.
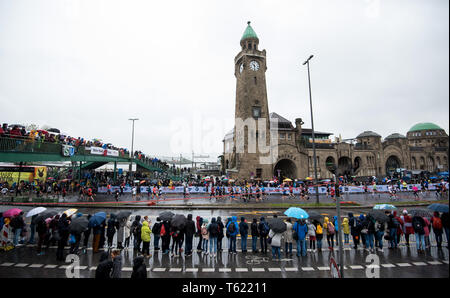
[87, 66]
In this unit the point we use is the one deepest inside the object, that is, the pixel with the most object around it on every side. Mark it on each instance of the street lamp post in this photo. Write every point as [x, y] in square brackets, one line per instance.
[132, 152]
[313, 136]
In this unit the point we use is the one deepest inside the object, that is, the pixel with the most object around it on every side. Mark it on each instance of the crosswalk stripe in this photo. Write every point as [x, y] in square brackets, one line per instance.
[208, 269]
[93, 268]
[308, 269]
[241, 269]
[403, 264]
[7, 264]
[191, 269]
[356, 266]
[434, 263]
[388, 265]
[21, 265]
[81, 267]
[373, 266]
[274, 269]
[50, 266]
[419, 263]
[35, 265]
[159, 269]
[323, 268]
[290, 269]
[224, 269]
[175, 269]
[63, 266]
[258, 269]
[446, 262]
[127, 269]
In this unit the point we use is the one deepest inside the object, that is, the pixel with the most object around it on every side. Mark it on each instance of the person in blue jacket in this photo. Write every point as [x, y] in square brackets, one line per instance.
[232, 232]
[336, 227]
[301, 229]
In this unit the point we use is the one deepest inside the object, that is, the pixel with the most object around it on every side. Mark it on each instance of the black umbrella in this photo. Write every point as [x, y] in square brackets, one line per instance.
[379, 215]
[79, 225]
[178, 221]
[277, 225]
[314, 215]
[421, 212]
[166, 215]
[44, 215]
[54, 130]
[123, 214]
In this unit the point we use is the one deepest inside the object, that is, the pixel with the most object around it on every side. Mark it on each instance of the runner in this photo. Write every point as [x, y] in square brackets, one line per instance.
[291, 191]
[90, 195]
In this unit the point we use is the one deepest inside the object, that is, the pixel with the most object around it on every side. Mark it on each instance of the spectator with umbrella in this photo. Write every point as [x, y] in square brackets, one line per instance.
[136, 227]
[288, 240]
[121, 219]
[78, 226]
[42, 229]
[86, 235]
[62, 235]
[177, 225]
[111, 229]
[33, 214]
[300, 231]
[407, 226]
[165, 236]
[189, 231]
[275, 243]
[437, 228]
[156, 230]
[96, 222]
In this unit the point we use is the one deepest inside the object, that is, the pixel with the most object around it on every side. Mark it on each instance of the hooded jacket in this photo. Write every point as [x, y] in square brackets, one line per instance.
[139, 268]
[301, 229]
[221, 227]
[189, 228]
[345, 226]
[336, 223]
[243, 227]
[213, 228]
[117, 267]
[145, 232]
[234, 222]
[198, 224]
[104, 268]
[326, 222]
[353, 222]
[111, 229]
[254, 228]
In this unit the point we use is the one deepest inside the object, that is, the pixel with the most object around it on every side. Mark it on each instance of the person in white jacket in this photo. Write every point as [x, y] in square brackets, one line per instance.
[275, 243]
[127, 230]
[288, 240]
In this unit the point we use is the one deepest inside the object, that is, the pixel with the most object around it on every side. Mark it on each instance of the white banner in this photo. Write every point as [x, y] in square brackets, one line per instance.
[101, 151]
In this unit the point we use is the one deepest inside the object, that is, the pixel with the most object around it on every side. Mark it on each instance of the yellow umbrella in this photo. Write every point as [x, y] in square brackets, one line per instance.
[309, 178]
[70, 212]
[287, 180]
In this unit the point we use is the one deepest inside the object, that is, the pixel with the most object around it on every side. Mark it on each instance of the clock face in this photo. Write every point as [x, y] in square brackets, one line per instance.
[254, 65]
[241, 68]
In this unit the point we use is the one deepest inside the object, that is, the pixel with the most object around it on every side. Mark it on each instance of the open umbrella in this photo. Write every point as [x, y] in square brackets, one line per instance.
[35, 211]
[54, 130]
[315, 215]
[384, 207]
[70, 212]
[46, 214]
[287, 180]
[421, 212]
[78, 225]
[439, 207]
[166, 215]
[296, 212]
[97, 219]
[379, 215]
[277, 225]
[123, 214]
[12, 212]
[308, 178]
[178, 221]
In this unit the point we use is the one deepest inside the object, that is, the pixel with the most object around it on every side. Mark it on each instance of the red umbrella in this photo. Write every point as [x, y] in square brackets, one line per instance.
[12, 212]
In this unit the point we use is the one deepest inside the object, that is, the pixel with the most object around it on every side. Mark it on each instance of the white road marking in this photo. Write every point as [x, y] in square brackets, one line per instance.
[35, 265]
[446, 262]
[241, 269]
[372, 266]
[127, 269]
[434, 263]
[258, 269]
[419, 263]
[224, 269]
[403, 264]
[21, 265]
[287, 269]
[191, 269]
[159, 269]
[274, 269]
[356, 266]
[7, 264]
[50, 266]
[93, 268]
[388, 265]
[323, 268]
[81, 267]
[63, 266]
[308, 269]
[208, 269]
[175, 269]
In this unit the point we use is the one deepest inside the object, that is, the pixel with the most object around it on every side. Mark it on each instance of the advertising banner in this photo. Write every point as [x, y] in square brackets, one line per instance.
[68, 150]
[104, 152]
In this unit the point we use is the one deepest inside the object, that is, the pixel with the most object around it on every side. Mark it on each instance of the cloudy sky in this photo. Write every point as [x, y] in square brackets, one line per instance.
[87, 66]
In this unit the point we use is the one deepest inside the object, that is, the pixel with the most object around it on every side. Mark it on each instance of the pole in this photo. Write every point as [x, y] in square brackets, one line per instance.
[341, 245]
[132, 150]
[313, 135]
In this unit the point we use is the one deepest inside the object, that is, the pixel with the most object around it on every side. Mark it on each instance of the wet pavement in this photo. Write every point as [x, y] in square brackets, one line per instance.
[23, 262]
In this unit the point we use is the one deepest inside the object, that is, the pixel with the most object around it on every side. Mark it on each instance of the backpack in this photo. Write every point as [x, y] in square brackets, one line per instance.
[204, 231]
[319, 229]
[437, 223]
[418, 227]
[231, 229]
[163, 230]
[330, 228]
[265, 230]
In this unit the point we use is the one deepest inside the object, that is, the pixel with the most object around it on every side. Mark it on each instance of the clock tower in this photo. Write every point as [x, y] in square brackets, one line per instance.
[251, 109]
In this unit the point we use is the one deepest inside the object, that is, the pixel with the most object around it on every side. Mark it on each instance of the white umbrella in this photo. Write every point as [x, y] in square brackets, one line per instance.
[35, 211]
[70, 212]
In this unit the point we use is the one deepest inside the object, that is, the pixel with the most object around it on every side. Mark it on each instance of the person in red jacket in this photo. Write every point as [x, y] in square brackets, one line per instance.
[407, 226]
[400, 228]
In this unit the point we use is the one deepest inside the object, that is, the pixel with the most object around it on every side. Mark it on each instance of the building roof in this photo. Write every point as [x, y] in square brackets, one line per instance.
[395, 136]
[308, 131]
[368, 133]
[249, 32]
[283, 123]
[425, 126]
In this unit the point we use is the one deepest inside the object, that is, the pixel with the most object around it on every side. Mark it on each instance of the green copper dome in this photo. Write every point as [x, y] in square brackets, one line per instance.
[249, 33]
[424, 126]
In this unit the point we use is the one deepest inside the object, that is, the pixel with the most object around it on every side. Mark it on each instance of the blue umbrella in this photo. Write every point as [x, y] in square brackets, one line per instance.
[384, 207]
[439, 207]
[97, 219]
[296, 212]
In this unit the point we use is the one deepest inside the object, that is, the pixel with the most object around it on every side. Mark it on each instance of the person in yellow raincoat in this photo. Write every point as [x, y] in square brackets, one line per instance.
[346, 230]
[145, 236]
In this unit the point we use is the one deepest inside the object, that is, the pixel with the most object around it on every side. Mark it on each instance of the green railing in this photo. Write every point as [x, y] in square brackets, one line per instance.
[27, 145]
